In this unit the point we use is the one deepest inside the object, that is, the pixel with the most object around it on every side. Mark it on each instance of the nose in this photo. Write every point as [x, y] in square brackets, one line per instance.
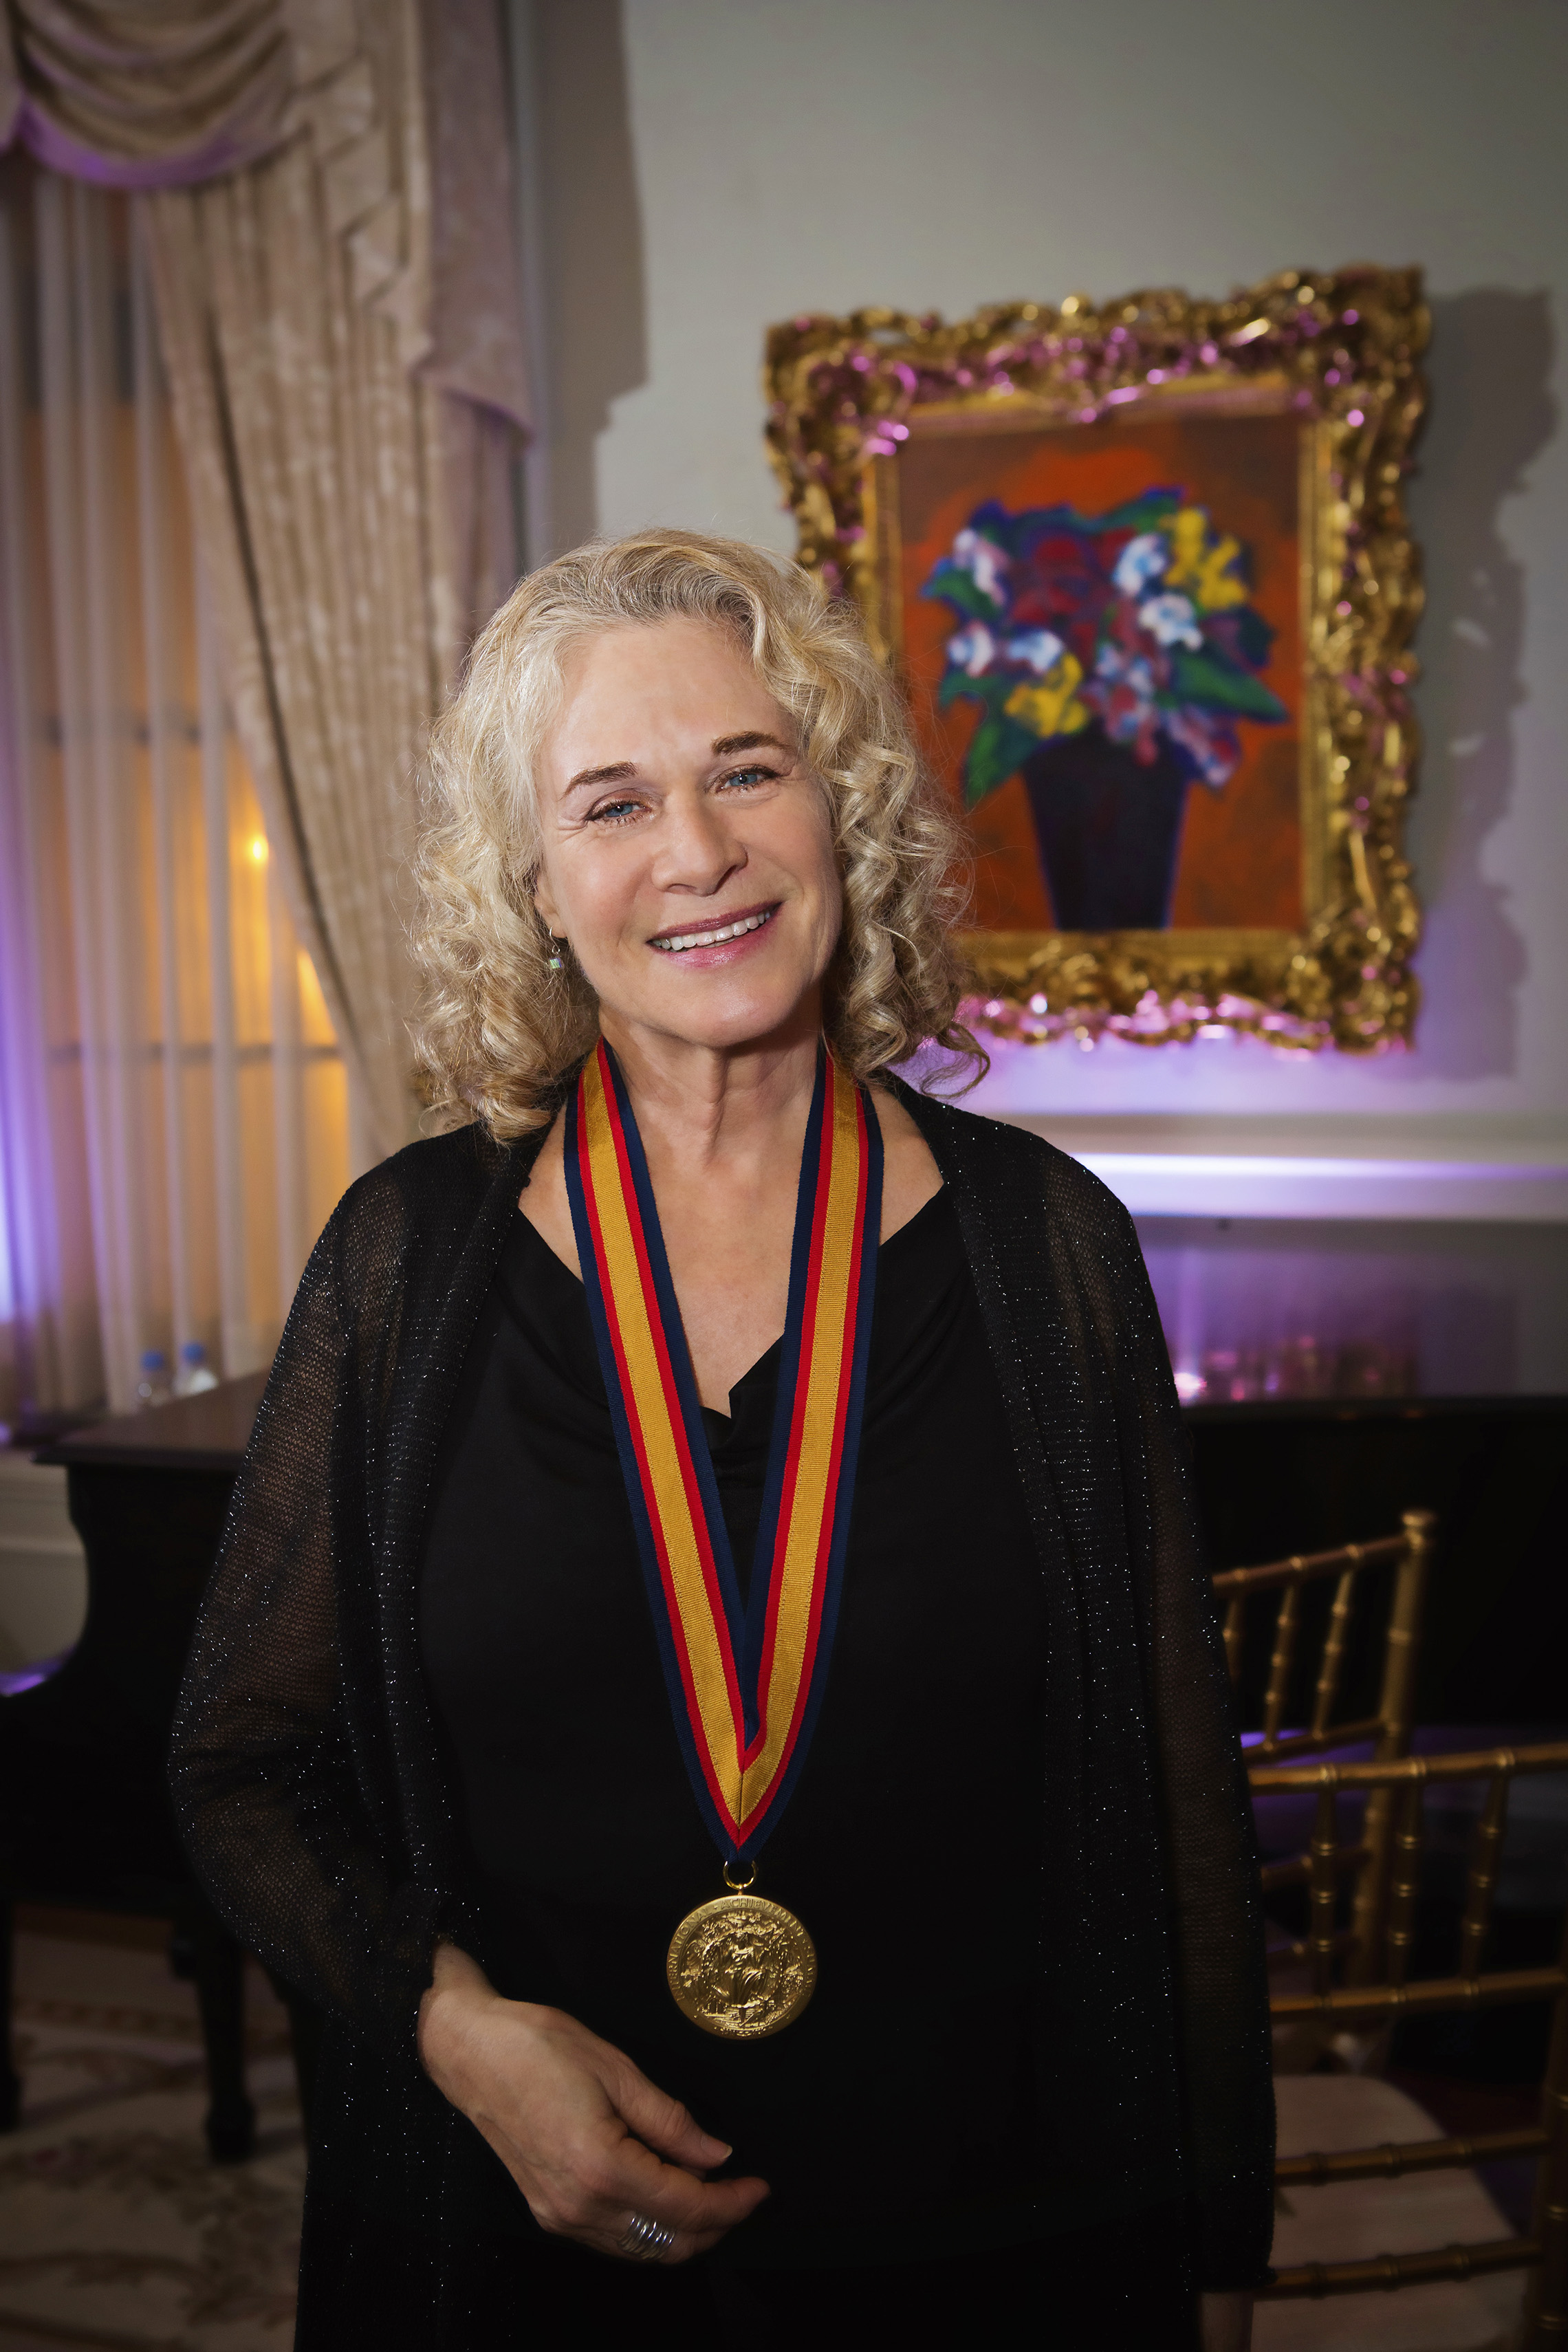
[697, 850]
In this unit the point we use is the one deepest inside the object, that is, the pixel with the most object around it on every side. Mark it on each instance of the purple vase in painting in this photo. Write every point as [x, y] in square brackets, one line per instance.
[1108, 829]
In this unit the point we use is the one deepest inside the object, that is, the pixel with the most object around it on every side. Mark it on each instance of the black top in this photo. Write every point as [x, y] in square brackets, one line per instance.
[911, 1844]
[307, 1767]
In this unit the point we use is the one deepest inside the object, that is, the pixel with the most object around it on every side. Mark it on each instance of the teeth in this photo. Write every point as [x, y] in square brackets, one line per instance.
[678, 941]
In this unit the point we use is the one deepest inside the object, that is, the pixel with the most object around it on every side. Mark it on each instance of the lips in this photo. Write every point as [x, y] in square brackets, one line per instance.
[712, 935]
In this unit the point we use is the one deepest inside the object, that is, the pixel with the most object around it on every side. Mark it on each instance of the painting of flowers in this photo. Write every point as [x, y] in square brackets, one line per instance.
[1132, 631]
[1102, 629]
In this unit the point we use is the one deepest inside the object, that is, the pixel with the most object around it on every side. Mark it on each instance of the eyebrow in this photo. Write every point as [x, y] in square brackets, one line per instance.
[615, 774]
[723, 746]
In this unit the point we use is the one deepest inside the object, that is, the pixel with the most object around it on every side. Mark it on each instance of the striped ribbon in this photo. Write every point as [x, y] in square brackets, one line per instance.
[745, 1684]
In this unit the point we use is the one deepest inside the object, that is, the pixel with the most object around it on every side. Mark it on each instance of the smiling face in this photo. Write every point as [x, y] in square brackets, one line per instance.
[686, 852]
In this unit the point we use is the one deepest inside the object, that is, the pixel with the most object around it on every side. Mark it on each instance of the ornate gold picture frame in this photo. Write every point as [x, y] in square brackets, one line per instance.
[898, 440]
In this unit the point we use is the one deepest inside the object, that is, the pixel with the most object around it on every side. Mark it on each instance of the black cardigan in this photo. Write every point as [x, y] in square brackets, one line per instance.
[311, 1790]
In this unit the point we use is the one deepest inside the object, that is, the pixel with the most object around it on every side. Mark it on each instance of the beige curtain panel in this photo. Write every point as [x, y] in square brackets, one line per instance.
[338, 309]
[173, 1120]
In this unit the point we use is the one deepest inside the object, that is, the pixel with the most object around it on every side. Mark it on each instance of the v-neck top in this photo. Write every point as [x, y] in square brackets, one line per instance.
[911, 1844]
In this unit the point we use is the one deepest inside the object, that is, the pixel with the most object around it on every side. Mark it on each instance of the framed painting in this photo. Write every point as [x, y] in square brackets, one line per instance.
[1145, 573]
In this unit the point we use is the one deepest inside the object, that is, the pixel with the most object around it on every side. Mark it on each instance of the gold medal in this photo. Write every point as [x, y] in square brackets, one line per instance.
[745, 1677]
[740, 1967]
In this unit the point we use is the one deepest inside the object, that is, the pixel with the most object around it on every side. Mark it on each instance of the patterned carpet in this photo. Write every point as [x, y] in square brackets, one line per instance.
[116, 2232]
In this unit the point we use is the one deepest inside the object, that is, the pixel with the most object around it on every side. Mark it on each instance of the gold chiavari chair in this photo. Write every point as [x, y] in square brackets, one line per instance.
[1368, 1859]
[1336, 1999]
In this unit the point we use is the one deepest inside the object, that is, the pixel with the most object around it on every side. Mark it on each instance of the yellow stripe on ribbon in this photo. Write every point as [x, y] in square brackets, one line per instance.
[740, 1782]
[807, 1516]
[653, 1410]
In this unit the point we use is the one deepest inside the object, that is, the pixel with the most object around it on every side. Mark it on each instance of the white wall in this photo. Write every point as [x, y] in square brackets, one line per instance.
[708, 166]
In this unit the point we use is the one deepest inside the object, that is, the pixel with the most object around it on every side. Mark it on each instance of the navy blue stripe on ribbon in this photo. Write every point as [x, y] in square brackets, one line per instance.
[747, 1628]
[849, 1459]
[631, 1478]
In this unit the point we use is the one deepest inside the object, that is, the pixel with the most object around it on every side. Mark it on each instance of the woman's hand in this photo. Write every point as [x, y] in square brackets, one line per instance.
[1225, 2322]
[579, 2128]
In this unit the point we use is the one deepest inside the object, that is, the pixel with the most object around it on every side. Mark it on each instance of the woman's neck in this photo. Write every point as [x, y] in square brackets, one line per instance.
[708, 1109]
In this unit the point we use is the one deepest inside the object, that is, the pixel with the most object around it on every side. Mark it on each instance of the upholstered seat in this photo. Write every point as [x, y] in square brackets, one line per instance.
[1350, 2221]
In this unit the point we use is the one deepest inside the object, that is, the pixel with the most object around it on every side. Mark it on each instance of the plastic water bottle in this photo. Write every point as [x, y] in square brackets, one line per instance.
[194, 1373]
[153, 1388]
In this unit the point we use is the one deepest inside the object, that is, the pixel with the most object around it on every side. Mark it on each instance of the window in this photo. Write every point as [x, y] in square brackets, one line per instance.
[173, 1105]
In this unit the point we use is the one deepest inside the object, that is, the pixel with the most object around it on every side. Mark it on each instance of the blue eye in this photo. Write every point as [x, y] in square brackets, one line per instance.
[750, 775]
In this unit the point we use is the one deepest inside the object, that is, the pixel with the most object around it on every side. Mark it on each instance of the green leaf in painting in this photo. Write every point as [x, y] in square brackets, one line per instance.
[992, 688]
[997, 749]
[1253, 633]
[950, 585]
[1146, 512]
[1216, 686]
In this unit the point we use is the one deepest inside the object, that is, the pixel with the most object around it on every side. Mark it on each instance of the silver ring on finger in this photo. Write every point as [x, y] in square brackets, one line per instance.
[645, 2239]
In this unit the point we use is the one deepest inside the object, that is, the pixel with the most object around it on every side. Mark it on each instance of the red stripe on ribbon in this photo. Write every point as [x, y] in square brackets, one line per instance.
[840, 1421]
[797, 1420]
[683, 1454]
[633, 1423]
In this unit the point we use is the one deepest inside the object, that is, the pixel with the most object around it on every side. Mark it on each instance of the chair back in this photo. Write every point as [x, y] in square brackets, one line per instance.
[1351, 1567]
[1342, 1996]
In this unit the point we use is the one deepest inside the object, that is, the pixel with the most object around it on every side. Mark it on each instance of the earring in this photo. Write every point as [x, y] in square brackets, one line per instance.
[557, 961]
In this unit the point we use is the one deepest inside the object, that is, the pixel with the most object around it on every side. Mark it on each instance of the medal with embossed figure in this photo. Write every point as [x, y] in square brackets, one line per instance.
[745, 1682]
[740, 1967]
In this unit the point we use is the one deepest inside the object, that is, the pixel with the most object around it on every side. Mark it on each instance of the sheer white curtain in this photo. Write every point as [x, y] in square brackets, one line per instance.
[173, 1107]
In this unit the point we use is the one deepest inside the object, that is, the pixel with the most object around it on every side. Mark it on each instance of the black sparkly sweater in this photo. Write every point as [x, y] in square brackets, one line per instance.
[314, 1798]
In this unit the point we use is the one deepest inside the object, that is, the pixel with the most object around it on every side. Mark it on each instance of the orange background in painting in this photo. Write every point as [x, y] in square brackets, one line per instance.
[1241, 848]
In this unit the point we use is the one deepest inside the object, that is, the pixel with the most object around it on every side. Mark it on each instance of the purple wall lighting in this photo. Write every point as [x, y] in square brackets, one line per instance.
[1269, 1309]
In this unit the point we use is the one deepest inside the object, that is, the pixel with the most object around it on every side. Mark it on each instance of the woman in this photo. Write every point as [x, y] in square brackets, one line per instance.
[760, 1813]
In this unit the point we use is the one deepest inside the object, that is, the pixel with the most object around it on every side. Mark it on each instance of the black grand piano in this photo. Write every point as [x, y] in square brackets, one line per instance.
[85, 1817]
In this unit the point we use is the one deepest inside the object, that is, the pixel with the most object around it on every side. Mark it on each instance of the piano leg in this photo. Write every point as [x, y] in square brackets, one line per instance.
[220, 1997]
[10, 2081]
[305, 2025]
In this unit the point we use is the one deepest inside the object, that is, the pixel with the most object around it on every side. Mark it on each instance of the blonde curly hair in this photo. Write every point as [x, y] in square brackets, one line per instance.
[502, 1027]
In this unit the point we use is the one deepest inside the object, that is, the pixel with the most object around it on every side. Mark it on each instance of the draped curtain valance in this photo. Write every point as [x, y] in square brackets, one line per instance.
[324, 189]
[138, 96]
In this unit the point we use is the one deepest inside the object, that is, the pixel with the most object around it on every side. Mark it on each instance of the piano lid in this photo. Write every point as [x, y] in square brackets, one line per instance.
[209, 1432]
